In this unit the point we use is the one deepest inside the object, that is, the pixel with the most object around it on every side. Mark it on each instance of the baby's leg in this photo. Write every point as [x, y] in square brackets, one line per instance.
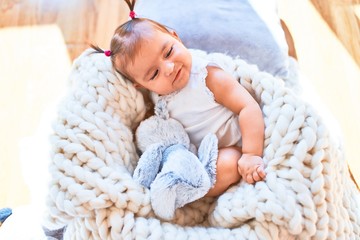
[226, 170]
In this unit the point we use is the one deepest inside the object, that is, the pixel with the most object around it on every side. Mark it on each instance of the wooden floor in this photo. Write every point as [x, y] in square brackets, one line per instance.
[39, 39]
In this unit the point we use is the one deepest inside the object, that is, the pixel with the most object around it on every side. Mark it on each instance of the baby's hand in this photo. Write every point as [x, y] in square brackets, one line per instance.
[251, 168]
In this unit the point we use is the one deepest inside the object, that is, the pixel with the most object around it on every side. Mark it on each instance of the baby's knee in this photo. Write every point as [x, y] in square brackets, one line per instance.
[229, 156]
[226, 170]
[227, 166]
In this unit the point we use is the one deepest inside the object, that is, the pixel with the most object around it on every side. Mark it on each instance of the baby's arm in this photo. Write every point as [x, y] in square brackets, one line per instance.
[231, 94]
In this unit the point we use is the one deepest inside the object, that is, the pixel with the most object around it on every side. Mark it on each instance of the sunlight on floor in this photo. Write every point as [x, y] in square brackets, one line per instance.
[34, 67]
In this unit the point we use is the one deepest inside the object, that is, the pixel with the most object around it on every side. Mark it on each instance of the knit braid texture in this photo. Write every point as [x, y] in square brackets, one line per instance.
[307, 194]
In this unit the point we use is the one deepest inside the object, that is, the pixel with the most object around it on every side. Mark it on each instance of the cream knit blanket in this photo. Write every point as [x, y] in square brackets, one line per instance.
[307, 194]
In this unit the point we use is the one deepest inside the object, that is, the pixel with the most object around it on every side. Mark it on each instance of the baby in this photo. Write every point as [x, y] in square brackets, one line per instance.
[197, 93]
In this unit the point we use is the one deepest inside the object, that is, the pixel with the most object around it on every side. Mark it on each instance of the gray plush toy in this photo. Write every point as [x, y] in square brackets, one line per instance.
[174, 174]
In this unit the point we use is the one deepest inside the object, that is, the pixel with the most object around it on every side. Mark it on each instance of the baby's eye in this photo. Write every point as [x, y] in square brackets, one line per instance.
[155, 74]
[169, 52]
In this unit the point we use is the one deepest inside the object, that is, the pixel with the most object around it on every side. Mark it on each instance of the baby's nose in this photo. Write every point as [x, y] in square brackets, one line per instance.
[169, 68]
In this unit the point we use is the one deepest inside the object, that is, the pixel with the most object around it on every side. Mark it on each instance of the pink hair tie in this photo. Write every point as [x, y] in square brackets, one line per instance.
[107, 53]
[132, 14]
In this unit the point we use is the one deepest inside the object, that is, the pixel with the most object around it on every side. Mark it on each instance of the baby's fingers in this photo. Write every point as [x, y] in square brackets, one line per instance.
[260, 171]
[256, 176]
[250, 179]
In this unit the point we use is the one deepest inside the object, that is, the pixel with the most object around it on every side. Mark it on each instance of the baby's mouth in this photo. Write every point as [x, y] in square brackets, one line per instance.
[177, 76]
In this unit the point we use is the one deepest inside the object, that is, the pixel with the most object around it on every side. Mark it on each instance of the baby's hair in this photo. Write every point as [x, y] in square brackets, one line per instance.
[131, 5]
[126, 40]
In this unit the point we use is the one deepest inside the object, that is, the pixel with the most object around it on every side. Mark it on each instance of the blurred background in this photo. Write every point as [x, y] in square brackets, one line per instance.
[39, 39]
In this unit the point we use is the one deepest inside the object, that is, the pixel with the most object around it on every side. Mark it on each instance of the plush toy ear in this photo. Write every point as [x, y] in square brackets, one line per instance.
[149, 165]
[208, 153]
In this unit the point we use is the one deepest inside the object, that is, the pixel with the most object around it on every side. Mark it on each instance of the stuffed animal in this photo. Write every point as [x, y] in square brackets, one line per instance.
[4, 214]
[169, 166]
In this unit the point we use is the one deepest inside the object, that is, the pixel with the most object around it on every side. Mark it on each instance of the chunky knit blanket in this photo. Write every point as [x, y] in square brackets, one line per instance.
[307, 194]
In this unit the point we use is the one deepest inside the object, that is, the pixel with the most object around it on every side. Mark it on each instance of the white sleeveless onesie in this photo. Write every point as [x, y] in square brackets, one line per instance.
[195, 107]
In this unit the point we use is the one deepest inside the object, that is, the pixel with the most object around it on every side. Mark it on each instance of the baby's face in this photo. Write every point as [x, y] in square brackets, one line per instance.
[163, 63]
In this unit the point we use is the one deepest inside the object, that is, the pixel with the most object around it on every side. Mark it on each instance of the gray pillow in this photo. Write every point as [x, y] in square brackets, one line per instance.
[233, 27]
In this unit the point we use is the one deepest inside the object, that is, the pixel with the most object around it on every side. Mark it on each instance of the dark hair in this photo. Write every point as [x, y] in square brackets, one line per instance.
[126, 40]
